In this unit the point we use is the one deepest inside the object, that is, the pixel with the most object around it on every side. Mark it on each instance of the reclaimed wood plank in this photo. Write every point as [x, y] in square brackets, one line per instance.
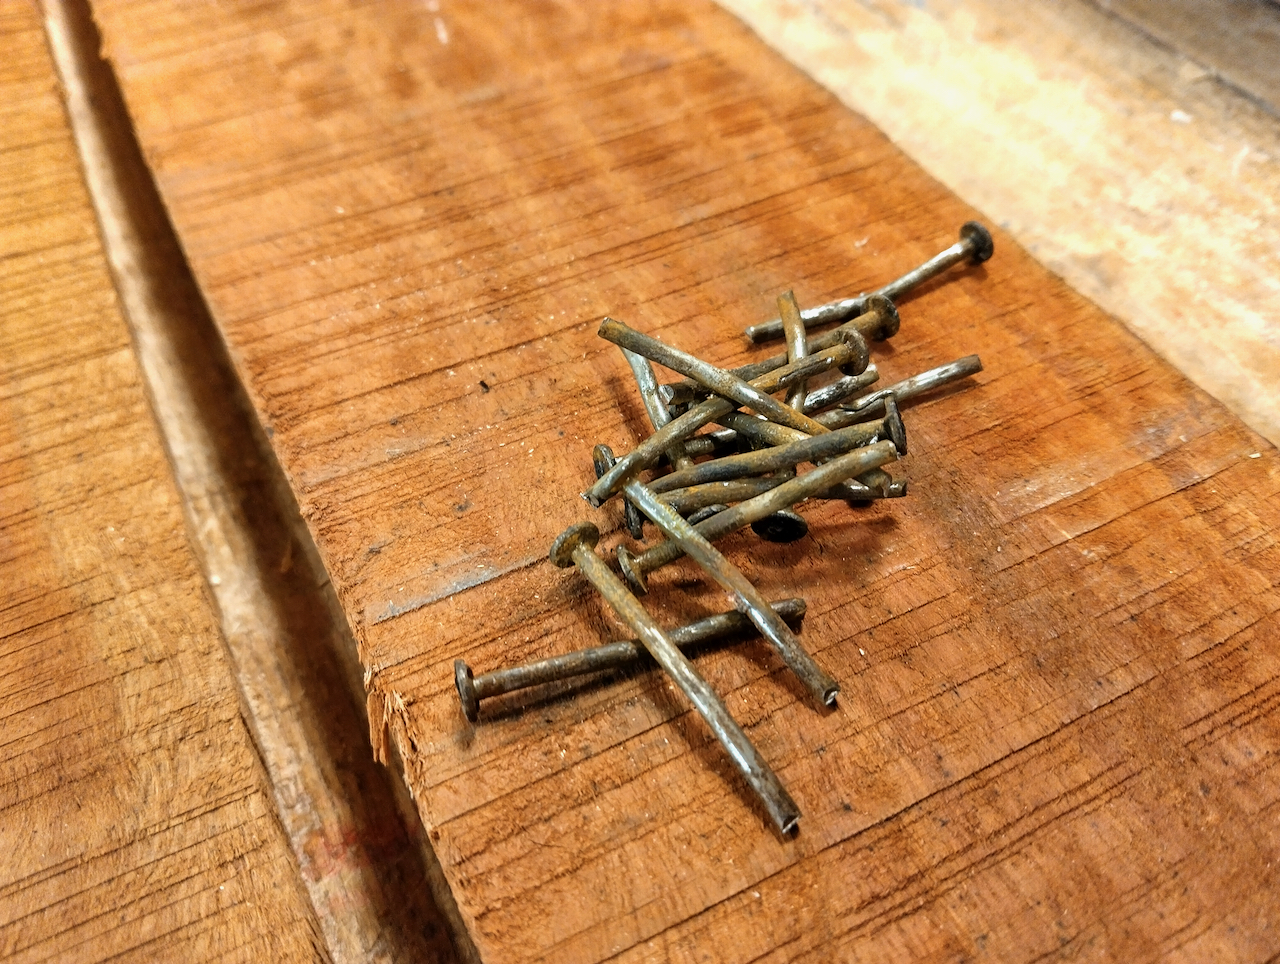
[1058, 725]
[135, 818]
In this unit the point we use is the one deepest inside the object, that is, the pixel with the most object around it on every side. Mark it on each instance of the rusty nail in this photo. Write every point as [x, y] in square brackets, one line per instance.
[879, 321]
[816, 680]
[596, 659]
[810, 448]
[903, 391]
[975, 246]
[576, 546]
[709, 376]
[846, 353]
[636, 568]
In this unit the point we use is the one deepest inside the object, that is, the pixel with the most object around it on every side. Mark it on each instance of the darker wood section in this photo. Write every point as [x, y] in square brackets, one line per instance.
[136, 821]
[1059, 717]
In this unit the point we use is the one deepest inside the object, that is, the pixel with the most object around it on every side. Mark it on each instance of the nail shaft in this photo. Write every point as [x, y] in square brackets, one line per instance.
[656, 408]
[797, 342]
[473, 689]
[577, 546]
[715, 379]
[903, 391]
[878, 322]
[846, 353]
[812, 448]
[974, 246]
[637, 567]
[816, 680]
[693, 497]
[725, 440]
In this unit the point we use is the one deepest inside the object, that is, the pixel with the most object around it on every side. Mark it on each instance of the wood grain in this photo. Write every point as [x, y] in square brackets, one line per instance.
[1058, 724]
[1130, 168]
[135, 818]
[291, 651]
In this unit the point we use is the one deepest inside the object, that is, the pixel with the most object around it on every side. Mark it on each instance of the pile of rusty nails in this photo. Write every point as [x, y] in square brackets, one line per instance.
[845, 430]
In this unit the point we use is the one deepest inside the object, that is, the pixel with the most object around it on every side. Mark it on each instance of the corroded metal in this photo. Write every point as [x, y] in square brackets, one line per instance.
[714, 379]
[761, 432]
[905, 390]
[878, 322]
[975, 246]
[847, 354]
[576, 546]
[797, 342]
[816, 680]
[636, 568]
[694, 497]
[473, 689]
[813, 448]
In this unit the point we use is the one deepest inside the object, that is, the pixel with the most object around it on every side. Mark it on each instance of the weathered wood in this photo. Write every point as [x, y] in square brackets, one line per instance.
[1060, 675]
[136, 821]
[1129, 168]
[291, 651]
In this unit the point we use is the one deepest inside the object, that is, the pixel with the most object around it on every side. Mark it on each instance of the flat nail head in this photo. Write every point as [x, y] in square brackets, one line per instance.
[889, 320]
[465, 681]
[782, 526]
[631, 572]
[578, 534]
[980, 243]
[893, 422]
[602, 460]
[861, 358]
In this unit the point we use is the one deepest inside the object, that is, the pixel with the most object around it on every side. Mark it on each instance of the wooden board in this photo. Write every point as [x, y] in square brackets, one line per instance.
[1059, 717]
[135, 818]
[1130, 168]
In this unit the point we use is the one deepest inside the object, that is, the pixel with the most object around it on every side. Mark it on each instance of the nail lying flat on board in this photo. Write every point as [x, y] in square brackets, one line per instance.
[612, 656]
[725, 440]
[903, 391]
[975, 246]
[849, 353]
[576, 546]
[813, 448]
[636, 568]
[879, 321]
[709, 376]
[816, 680]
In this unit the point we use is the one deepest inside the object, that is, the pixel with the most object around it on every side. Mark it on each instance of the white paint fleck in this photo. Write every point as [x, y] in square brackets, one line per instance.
[1180, 117]
[442, 32]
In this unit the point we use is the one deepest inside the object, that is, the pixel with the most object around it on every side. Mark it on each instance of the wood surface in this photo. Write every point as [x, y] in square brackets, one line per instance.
[291, 652]
[136, 821]
[1129, 145]
[1059, 718]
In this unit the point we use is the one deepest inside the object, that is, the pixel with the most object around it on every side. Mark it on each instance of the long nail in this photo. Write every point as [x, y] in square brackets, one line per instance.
[636, 568]
[576, 546]
[473, 689]
[847, 354]
[816, 680]
[654, 406]
[692, 498]
[975, 246]
[691, 501]
[797, 342]
[879, 321]
[902, 391]
[813, 448]
[709, 376]
[724, 441]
